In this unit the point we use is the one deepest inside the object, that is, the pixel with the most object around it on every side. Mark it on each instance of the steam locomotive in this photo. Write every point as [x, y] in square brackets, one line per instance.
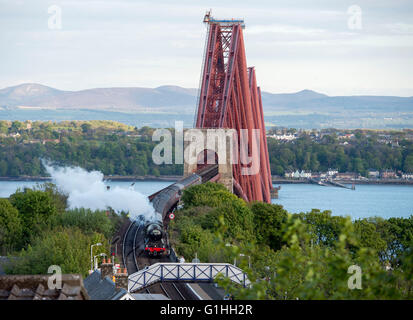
[155, 240]
[164, 202]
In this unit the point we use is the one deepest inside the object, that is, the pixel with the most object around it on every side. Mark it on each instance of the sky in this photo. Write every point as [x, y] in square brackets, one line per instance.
[357, 47]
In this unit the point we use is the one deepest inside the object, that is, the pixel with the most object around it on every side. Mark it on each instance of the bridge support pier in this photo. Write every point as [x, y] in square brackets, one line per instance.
[209, 146]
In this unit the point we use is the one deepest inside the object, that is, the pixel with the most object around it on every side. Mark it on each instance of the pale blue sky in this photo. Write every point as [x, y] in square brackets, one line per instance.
[294, 44]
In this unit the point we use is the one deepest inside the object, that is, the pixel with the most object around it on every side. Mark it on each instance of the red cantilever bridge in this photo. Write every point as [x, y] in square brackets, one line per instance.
[229, 99]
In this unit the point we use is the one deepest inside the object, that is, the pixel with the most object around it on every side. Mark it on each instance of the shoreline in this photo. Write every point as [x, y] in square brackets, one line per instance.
[175, 178]
[372, 182]
[105, 178]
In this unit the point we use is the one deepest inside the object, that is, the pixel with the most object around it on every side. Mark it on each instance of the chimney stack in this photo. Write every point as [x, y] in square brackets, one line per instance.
[106, 268]
[121, 279]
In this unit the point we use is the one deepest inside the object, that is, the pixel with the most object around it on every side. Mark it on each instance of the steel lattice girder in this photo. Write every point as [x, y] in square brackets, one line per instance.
[185, 272]
[229, 98]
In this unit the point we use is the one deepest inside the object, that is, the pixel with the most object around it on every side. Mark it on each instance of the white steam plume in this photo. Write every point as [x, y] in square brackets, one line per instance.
[87, 190]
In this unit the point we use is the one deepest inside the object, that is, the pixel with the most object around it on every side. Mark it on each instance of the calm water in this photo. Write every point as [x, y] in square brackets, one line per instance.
[366, 201]
[144, 187]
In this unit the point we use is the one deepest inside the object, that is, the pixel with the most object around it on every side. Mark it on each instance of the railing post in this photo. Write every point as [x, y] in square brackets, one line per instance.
[161, 272]
[178, 273]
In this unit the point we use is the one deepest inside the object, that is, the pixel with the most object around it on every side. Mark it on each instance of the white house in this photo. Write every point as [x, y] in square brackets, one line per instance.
[300, 175]
[407, 176]
[331, 172]
[372, 173]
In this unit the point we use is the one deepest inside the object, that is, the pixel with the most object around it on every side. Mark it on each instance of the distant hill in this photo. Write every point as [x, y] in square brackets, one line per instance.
[160, 99]
[303, 109]
[308, 100]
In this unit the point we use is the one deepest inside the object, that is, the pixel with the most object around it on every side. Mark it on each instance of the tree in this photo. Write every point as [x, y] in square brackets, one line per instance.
[88, 221]
[68, 248]
[58, 197]
[322, 226]
[408, 164]
[86, 127]
[10, 227]
[4, 127]
[36, 210]
[369, 236]
[268, 222]
[16, 126]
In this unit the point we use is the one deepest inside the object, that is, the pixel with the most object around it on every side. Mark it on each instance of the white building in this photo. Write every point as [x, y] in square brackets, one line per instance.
[372, 173]
[300, 175]
[407, 176]
[285, 137]
[331, 172]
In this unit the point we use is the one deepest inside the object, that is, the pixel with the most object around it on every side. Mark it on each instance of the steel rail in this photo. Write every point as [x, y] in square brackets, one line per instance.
[123, 245]
[164, 291]
[177, 290]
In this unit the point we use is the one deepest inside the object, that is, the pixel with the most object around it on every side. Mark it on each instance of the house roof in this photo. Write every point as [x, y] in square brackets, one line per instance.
[149, 296]
[35, 287]
[102, 289]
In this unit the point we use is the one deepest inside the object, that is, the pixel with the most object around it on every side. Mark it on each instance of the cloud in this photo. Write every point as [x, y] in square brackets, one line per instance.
[146, 43]
[284, 29]
[400, 28]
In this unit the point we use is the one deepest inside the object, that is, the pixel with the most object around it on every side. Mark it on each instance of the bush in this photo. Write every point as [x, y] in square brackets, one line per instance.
[37, 211]
[268, 222]
[68, 248]
[87, 221]
[10, 227]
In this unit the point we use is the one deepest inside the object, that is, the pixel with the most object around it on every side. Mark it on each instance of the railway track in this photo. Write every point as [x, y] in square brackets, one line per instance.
[134, 260]
[164, 201]
[128, 251]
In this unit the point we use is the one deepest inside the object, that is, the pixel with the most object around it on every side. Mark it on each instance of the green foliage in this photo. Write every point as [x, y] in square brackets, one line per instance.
[363, 152]
[294, 256]
[58, 197]
[268, 222]
[51, 235]
[68, 248]
[302, 270]
[110, 147]
[117, 149]
[237, 216]
[398, 234]
[36, 210]
[10, 227]
[207, 194]
[195, 240]
[369, 236]
[88, 221]
[322, 226]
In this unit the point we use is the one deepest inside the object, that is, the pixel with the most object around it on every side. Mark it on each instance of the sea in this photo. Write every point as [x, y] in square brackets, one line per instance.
[365, 201]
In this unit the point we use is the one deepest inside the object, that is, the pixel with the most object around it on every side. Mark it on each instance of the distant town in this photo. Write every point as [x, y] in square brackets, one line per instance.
[344, 138]
[391, 137]
[333, 174]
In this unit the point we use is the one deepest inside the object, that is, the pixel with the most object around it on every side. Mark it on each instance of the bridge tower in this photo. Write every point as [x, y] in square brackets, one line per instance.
[230, 99]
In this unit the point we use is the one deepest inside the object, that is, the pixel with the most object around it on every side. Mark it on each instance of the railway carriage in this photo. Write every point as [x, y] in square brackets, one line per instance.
[156, 241]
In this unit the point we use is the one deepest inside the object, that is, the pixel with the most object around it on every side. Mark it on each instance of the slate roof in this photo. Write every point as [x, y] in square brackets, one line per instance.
[35, 287]
[102, 289]
[149, 296]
